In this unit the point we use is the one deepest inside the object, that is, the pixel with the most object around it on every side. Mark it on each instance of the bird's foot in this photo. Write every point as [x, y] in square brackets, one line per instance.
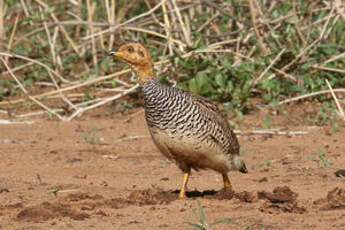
[182, 194]
[227, 184]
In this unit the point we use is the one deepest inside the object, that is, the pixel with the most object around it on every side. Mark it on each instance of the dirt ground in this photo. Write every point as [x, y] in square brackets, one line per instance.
[104, 172]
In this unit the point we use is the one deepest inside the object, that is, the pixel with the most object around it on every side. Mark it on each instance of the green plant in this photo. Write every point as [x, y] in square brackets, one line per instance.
[54, 191]
[87, 97]
[203, 225]
[327, 114]
[203, 76]
[125, 106]
[250, 226]
[49, 116]
[165, 163]
[226, 65]
[320, 158]
[268, 162]
[39, 178]
[267, 122]
[23, 195]
[91, 137]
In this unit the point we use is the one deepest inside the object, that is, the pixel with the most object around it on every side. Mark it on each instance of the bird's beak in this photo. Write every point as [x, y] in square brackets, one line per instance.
[115, 53]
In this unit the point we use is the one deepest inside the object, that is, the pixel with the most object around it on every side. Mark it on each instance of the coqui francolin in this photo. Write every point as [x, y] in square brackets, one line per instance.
[187, 128]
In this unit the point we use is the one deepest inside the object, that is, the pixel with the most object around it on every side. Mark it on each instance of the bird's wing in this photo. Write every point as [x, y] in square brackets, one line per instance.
[220, 119]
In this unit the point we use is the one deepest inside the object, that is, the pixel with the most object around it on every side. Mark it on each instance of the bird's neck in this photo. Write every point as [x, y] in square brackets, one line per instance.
[144, 72]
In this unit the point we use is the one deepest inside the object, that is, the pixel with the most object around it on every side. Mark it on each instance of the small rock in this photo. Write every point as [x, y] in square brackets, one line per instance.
[340, 173]
[164, 179]
[4, 190]
[264, 179]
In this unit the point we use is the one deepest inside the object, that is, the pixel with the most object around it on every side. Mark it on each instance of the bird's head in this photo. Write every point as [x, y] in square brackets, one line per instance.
[137, 57]
[240, 164]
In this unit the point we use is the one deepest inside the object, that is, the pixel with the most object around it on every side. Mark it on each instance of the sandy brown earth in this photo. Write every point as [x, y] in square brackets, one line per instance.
[102, 172]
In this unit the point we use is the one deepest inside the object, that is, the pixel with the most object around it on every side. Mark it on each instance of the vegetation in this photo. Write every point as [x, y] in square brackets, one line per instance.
[320, 158]
[202, 223]
[56, 51]
[91, 137]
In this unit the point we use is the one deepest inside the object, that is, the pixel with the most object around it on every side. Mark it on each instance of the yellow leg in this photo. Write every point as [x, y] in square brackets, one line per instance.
[227, 184]
[184, 186]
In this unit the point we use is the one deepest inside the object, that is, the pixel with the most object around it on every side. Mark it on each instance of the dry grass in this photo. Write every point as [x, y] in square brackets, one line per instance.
[53, 50]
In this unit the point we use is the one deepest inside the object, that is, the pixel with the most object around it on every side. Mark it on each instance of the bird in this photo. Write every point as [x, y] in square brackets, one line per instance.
[187, 128]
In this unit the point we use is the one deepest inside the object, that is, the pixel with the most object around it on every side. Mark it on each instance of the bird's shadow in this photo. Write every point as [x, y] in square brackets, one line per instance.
[207, 194]
[197, 194]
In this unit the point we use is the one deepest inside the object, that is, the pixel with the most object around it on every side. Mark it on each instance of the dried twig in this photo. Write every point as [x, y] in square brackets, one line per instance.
[167, 28]
[92, 81]
[126, 22]
[312, 45]
[329, 69]
[2, 28]
[7, 122]
[268, 67]
[10, 43]
[99, 79]
[182, 24]
[257, 33]
[310, 95]
[111, 19]
[91, 10]
[36, 62]
[340, 7]
[26, 93]
[131, 138]
[271, 132]
[112, 157]
[69, 39]
[341, 111]
[109, 99]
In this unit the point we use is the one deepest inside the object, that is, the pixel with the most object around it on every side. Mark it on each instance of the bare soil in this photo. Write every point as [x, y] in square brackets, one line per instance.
[104, 172]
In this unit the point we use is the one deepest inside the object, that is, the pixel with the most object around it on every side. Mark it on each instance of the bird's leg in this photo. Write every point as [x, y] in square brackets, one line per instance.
[184, 186]
[227, 184]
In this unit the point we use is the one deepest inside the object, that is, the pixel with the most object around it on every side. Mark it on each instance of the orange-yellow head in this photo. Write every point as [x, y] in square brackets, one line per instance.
[138, 58]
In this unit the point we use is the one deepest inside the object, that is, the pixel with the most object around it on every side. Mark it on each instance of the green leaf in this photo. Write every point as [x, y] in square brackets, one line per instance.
[312, 158]
[220, 79]
[202, 214]
[292, 20]
[49, 10]
[199, 226]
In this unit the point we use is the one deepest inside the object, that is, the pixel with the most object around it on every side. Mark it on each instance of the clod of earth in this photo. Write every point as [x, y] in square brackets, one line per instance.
[74, 206]
[248, 197]
[151, 196]
[279, 195]
[340, 173]
[283, 199]
[4, 190]
[335, 200]
[46, 211]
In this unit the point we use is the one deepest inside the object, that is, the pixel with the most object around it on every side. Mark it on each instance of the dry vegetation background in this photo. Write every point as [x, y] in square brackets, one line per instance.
[244, 54]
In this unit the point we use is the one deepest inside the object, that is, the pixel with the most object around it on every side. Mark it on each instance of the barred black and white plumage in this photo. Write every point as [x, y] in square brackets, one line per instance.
[187, 128]
[183, 117]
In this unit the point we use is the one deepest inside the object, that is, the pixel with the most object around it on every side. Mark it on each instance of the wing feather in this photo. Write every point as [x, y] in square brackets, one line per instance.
[220, 119]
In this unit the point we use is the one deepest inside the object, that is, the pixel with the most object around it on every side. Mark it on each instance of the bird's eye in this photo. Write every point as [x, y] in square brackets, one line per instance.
[130, 49]
[141, 53]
